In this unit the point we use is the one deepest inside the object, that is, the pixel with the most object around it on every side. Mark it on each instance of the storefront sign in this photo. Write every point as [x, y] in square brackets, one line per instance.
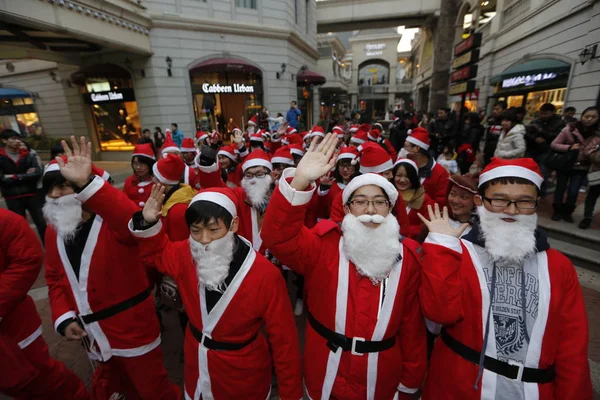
[463, 87]
[468, 72]
[469, 43]
[113, 96]
[528, 80]
[467, 58]
[235, 88]
[376, 49]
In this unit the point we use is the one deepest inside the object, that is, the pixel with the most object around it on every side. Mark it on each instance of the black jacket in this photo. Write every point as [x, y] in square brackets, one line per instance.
[472, 135]
[398, 133]
[545, 129]
[22, 184]
[442, 133]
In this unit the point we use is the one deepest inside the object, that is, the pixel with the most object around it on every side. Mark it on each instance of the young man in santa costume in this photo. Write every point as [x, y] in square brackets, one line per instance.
[189, 151]
[230, 292]
[366, 337]
[502, 289]
[97, 286]
[20, 325]
[434, 177]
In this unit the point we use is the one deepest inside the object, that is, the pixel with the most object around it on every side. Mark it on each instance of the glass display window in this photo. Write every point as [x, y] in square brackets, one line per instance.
[536, 99]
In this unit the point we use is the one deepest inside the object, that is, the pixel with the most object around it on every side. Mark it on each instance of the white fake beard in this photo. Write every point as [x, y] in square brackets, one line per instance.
[212, 261]
[258, 191]
[373, 251]
[64, 214]
[403, 153]
[510, 241]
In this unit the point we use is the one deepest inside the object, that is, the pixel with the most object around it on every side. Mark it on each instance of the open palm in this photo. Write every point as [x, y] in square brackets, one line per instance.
[317, 161]
[153, 208]
[79, 161]
[439, 222]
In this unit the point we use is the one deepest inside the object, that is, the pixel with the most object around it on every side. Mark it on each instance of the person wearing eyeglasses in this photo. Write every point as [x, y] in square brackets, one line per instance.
[139, 185]
[515, 324]
[365, 337]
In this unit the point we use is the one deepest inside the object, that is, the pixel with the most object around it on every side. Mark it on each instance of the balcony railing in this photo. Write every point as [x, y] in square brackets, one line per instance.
[375, 89]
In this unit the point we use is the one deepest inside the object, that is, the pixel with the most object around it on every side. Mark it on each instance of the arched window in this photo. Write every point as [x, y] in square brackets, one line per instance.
[373, 72]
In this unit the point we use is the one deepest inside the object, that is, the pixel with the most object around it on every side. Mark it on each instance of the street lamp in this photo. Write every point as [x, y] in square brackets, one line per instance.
[588, 53]
[169, 62]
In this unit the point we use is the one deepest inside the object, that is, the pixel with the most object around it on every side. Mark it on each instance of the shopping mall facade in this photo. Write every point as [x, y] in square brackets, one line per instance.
[125, 66]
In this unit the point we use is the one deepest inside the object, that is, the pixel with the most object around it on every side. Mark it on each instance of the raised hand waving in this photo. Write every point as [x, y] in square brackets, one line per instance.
[78, 168]
[440, 223]
[153, 208]
[317, 161]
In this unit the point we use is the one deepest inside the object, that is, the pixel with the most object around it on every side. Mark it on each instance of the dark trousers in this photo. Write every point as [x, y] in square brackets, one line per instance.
[569, 182]
[22, 204]
[590, 201]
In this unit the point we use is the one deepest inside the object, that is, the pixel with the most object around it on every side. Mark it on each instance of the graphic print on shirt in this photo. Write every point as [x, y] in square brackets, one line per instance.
[510, 326]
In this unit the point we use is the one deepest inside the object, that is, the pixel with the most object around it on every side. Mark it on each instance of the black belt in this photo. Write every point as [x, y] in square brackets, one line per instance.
[358, 346]
[511, 371]
[117, 308]
[211, 344]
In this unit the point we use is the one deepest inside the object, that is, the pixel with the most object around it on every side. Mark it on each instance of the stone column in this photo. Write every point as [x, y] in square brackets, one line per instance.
[443, 42]
[316, 109]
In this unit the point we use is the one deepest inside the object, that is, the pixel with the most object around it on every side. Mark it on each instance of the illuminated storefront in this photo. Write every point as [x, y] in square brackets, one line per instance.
[226, 92]
[532, 83]
[108, 91]
[17, 112]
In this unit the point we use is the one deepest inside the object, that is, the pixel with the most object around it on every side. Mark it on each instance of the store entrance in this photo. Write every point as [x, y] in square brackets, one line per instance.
[233, 108]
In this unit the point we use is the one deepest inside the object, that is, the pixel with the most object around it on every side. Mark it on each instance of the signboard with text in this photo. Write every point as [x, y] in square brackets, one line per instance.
[463, 87]
[112, 96]
[472, 42]
[468, 72]
[234, 88]
[471, 56]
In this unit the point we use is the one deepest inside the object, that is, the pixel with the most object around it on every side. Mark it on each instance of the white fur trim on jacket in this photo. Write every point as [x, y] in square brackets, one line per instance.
[295, 197]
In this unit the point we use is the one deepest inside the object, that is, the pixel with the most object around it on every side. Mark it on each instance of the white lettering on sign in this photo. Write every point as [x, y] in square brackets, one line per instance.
[528, 80]
[99, 97]
[374, 49]
[235, 88]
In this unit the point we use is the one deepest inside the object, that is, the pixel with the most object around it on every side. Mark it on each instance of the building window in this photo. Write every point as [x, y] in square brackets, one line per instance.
[296, 10]
[307, 12]
[246, 4]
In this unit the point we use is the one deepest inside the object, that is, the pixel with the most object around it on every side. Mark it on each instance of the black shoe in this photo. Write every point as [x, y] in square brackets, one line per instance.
[556, 216]
[585, 223]
[568, 218]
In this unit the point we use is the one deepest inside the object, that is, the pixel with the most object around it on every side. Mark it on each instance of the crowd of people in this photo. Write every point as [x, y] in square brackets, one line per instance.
[414, 282]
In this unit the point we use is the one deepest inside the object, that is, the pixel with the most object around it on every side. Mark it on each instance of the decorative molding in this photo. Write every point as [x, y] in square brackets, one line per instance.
[233, 28]
[102, 15]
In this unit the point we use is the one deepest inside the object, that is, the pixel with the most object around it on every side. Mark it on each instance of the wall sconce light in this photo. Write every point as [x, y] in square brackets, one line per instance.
[10, 67]
[588, 53]
[53, 76]
[169, 62]
[143, 73]
[283, 68]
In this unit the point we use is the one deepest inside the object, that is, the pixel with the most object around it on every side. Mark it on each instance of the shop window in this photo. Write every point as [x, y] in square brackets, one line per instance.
[374, 73]
[19, 115]
[536, 99]
[246, 4]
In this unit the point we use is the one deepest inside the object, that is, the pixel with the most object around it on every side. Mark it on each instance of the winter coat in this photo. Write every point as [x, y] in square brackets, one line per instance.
[512, 144]
[570, 136]
[493, 131]
[589, 153]
[546, 129]
[21, 183]
[472, 135]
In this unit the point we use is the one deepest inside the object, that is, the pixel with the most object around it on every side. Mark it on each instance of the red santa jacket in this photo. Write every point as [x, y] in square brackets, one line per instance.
[20, 263]
[454, 292]
[137, 191]
[110, 273]
[190, 177]
[255, 297]
[415, 225]
[390, 149]
[436, 185]
[328, 196]
[345, 302]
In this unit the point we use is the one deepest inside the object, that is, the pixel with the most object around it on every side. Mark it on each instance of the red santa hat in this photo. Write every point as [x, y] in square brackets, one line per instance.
[223, 197]
[347, 153]
[292, 139]
[257, 158]
[359, 137]
[216, 137]
[188, 146]
[283, 156]
[169, 169]
[317, 131]
[373, 158]
[370, 179]
[229, 152]
[143, 150]
[253, 120]
[406, 161]
[290, 130]
[338, 131]
[305, 135]
[257, 137]
[524, 168]
[53, 167]
[169, 145]
[297, 149]
[354, 128]
[200, 136]
[420, 137]
[374, 133]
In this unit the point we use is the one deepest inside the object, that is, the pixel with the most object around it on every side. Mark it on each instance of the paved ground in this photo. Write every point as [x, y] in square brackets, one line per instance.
[75, 358]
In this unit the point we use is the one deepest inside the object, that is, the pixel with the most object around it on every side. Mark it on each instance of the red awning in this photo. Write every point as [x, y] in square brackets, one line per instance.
[308, 77]
[228, 64]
